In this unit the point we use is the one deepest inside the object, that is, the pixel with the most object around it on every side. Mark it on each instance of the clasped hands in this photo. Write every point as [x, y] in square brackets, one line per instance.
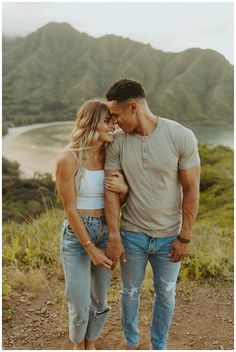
[107, 258]
[115, 250]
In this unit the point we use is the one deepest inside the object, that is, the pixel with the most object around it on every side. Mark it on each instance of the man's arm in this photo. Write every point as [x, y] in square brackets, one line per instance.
[115, 248]
[116, 183]
[190, 180]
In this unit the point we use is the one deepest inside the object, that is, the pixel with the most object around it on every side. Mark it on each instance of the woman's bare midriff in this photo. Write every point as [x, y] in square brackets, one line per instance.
[91, 212]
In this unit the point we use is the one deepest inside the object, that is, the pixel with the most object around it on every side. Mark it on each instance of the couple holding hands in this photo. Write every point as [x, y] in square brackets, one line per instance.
[149, 171]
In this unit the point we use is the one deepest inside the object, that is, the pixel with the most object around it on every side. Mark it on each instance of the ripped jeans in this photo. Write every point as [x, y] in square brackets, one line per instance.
[140, 249]
[86, 284]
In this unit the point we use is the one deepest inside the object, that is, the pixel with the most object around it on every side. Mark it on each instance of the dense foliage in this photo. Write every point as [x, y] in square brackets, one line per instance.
[217, 186]
[24, 199]
[49, 73]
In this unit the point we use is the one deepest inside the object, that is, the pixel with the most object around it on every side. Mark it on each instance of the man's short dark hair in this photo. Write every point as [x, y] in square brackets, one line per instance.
[125, 89]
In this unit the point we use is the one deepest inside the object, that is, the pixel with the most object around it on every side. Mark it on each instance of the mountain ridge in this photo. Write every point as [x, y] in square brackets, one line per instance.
[50, 72]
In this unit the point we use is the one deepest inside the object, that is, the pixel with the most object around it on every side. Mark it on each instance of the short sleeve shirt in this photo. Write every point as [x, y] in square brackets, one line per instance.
[150, 165]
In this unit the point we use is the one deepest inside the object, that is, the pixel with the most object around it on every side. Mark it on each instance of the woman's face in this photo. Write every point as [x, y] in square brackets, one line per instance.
[107, 131]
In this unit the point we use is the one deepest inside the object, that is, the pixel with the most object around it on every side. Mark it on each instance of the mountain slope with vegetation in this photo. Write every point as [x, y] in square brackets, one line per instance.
[49, 73]
[212, 248]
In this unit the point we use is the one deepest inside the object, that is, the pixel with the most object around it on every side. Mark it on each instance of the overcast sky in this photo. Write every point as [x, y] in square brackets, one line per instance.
[169, 26]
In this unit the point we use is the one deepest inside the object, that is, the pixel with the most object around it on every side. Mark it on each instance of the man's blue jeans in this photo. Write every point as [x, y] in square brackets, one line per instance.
[139, 249]
[86, 284]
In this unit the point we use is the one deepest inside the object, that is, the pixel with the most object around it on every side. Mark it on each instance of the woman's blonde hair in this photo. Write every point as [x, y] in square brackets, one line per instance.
[90, 118]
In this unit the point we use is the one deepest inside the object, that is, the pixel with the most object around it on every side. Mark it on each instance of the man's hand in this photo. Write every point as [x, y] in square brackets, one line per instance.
[115, 250]
[178, 251]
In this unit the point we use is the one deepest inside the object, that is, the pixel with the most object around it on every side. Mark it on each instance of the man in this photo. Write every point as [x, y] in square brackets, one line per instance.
[159, 159]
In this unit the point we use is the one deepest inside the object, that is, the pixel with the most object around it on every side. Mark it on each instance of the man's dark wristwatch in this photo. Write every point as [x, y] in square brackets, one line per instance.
[183, 240]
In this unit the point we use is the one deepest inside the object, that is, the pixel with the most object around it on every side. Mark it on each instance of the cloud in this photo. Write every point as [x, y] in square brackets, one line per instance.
[168, 26]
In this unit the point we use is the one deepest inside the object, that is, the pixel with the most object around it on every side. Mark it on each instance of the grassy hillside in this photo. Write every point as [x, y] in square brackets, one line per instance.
[35, 245]
[49, 73]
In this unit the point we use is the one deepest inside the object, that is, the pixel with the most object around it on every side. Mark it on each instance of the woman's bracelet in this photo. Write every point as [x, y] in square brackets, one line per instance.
[183, 240]
[87, 243]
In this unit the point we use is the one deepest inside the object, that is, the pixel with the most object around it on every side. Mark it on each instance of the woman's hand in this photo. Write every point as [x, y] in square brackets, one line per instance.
[98, 256]
[116, 183]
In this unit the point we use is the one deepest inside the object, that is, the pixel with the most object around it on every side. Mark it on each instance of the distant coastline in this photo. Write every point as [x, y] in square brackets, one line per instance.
[41, 157]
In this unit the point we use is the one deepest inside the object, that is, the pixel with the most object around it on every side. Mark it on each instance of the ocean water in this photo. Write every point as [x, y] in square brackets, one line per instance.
[22, 145]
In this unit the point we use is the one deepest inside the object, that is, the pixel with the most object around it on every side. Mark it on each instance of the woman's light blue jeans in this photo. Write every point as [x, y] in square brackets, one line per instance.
[86, 284]
[140, 249]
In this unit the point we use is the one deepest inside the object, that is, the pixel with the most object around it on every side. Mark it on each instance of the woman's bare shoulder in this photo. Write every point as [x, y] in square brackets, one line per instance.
[66, 156]
[66, 159]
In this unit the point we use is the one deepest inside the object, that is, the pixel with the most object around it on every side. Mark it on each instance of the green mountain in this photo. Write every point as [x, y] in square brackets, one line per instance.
[49, 73]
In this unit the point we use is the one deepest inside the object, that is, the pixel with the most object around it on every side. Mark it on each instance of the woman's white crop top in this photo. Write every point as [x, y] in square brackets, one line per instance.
[90, 190]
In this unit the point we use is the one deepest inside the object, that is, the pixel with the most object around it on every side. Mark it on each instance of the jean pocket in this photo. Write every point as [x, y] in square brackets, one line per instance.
[102, 237]
[69, 233]
[166, 244]
[63, 229]
[69, 228]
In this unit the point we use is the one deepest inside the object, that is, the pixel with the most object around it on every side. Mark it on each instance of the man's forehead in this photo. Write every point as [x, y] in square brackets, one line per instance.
[112, 106]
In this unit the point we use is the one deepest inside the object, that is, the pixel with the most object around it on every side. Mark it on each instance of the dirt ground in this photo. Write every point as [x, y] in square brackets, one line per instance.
[203, 319]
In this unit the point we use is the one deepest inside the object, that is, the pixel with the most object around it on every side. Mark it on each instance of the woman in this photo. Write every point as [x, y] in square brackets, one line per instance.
[80, 183]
